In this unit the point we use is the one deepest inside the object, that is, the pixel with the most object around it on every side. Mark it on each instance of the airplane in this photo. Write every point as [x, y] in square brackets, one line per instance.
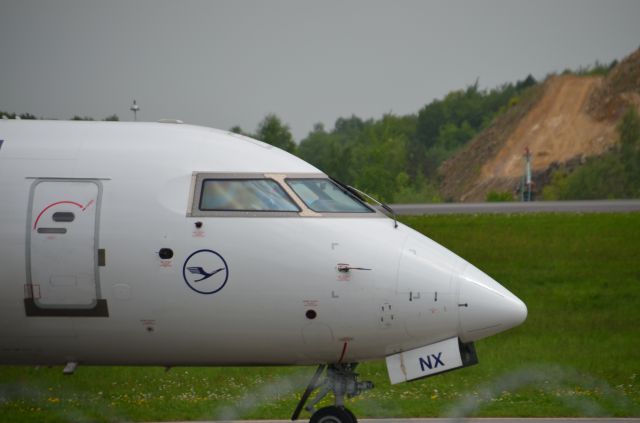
[166, 244]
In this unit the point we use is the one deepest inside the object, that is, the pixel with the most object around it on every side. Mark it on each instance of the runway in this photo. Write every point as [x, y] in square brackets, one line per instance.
[588, 206]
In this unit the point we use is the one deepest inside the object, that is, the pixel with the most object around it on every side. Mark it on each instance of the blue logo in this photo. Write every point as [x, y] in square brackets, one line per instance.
[197, 270]
[437, 359]
[205, 272]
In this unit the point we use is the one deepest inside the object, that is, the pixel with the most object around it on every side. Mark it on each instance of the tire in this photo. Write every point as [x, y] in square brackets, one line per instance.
[354, 419]
[333, 414]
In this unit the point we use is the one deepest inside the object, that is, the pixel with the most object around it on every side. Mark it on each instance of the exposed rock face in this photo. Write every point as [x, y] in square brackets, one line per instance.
[563, 121]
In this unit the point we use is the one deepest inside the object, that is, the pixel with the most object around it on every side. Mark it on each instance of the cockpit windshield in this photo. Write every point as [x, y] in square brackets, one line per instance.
[323, 196]
[245, 195]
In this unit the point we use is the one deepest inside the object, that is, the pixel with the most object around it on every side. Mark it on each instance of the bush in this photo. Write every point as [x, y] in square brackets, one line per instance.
[613, 175]
[499, 196]
[602, 177]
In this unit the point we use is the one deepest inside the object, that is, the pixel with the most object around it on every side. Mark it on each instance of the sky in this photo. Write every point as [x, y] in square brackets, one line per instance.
[225, 63]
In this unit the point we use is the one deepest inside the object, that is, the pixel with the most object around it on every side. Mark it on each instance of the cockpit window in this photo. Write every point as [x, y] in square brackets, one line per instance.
[323, 196]
[245, 195]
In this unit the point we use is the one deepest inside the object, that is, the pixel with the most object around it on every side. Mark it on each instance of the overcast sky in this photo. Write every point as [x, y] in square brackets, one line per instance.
[225, 63]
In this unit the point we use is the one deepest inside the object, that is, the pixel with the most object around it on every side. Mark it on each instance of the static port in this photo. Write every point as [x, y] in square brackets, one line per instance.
[311, 314]
[165, 253]
[198, 224]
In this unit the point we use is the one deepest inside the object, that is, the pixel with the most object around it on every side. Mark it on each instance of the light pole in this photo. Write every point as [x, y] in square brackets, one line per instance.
[134, 108]
[527, 182]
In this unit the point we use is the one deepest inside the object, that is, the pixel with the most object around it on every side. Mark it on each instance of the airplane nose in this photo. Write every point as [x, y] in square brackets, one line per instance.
[485, 307]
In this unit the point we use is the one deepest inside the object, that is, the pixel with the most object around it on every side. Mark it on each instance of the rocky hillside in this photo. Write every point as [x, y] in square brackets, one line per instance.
[562, 121]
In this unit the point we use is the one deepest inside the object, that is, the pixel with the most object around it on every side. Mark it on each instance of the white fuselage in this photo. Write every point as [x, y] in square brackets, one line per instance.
[95, 289]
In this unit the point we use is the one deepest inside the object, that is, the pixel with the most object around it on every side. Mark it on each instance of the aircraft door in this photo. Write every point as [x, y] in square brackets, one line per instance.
[62, 246]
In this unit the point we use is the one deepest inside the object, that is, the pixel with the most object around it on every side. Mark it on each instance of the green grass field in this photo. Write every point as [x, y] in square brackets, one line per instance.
[578, 353]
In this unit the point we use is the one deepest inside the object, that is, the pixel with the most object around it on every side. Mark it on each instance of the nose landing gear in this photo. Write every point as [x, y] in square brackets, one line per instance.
[341, 380]
[333, 414]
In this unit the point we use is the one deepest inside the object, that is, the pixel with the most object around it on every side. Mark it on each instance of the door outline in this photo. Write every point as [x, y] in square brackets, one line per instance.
[99, 307]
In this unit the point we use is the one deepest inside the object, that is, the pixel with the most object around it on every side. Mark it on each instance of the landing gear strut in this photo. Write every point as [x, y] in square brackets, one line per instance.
[342, 380]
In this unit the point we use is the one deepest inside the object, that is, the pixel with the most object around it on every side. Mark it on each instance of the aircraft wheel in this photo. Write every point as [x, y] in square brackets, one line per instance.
[353, 416]
[333, 414]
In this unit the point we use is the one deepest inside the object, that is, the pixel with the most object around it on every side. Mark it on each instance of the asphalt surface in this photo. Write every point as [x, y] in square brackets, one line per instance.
[589, 206]
[470, 420]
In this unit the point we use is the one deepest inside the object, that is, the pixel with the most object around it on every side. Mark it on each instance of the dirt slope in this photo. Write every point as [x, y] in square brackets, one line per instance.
[569, 118]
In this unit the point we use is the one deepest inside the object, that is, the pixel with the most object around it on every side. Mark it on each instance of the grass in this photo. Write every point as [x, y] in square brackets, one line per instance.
[578, 353]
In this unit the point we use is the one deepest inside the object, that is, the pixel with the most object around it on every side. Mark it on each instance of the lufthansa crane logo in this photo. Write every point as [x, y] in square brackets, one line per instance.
[205, 271]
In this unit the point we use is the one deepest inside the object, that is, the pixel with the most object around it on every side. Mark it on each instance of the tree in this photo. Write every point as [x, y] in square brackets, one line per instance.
[329, 152]
[272, 131]
[112, 118]
[629, 130]
[451, 136]
[529, 81]
[430, 118]
[24, 116]
[599, 178]
[237, 130]
[351, 126]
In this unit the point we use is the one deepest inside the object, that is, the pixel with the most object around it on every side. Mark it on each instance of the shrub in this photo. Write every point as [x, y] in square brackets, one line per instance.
[499, 196]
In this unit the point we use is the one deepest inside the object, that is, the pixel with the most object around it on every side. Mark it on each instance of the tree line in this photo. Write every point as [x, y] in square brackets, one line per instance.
[29, 116]
[395, 158]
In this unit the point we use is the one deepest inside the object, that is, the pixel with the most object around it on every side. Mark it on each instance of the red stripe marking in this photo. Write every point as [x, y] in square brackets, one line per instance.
[52, 205]
[344, 352]
[87, 206]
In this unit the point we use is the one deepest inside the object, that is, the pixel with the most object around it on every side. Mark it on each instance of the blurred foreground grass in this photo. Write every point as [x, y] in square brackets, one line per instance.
[578, 353]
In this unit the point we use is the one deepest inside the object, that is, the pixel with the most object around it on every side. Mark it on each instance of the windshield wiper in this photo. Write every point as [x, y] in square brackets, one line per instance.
[363, 196]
